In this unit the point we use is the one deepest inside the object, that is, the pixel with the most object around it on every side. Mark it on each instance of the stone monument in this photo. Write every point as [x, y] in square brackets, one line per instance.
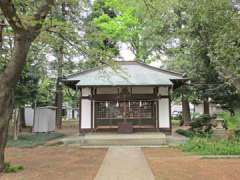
[219, 132]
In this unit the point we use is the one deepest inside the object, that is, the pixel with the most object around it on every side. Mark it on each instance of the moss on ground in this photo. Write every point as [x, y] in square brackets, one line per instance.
[33, 140]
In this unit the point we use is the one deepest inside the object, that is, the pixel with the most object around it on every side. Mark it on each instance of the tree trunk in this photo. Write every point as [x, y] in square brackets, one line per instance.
[59, 90]
[22, 118]
[59, 87]
[23, 38]
[186, 115]
[1, 32]
[3, 142]
[206, 107]
[5, 116]
[16, 119]
[8, 80]
[59, 100]
[73, 113]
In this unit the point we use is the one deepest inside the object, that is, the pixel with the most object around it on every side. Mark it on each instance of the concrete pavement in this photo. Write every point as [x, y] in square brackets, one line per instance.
[124, 163]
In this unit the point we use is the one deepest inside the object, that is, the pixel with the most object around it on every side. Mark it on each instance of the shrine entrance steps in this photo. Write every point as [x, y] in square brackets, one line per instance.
[115, 139]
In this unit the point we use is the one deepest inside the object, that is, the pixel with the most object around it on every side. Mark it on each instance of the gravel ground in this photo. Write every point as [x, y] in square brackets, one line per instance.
[54, 163]
[172, 164]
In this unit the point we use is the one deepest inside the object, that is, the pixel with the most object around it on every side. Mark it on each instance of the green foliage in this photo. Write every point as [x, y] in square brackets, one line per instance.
[26, 90]
[8, 168]
[33, 140]
[178, 117]
[61, 28]
[231, 121]
[143, 25]
[201, 125]
[120, 27]
[45, 92]
[102, 47]
[227, 96]
[195, 115]
[207, 146]
[206, 53]
[200, 38]
[226, 47]
[237, 133]
[34, 85]
[200, 121]
[176, 122]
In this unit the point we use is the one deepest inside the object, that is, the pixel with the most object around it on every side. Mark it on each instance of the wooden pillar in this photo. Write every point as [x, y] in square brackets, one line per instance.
[157, 108]
[170, 107]
[92, 109]
[80, 110]
[157, 115]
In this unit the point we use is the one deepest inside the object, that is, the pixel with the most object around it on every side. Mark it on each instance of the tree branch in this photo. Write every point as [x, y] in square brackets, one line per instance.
[41, 15]
[10, 13]
[66, 40]
[43, 10]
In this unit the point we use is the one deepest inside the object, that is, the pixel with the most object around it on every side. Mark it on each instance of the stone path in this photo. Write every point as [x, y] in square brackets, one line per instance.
[124, 163]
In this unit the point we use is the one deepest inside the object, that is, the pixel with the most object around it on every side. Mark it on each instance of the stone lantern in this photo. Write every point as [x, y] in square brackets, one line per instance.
[219, 122]
[219, 131]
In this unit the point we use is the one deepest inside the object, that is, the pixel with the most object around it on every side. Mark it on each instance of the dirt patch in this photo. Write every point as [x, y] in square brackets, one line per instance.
[68, 131]
[168, 164]
[55, 163]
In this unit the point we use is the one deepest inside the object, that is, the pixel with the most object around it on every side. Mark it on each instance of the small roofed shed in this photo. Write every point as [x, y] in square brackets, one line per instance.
[133, 93]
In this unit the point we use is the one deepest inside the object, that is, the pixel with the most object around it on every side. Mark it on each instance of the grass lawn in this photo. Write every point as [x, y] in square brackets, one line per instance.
[33, 140]
[207, 146]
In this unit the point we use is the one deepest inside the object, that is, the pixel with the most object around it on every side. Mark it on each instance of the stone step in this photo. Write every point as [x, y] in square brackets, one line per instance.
[148, 139]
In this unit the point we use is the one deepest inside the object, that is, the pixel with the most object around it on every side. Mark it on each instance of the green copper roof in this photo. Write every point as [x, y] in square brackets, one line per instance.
[128, 74]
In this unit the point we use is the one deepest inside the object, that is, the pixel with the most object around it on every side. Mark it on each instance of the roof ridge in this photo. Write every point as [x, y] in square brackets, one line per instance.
[152, 67]
[122, 63]
[160, 69]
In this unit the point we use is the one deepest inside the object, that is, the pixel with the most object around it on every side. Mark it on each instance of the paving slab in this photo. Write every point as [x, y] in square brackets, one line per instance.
[124, 163]
[113, 139]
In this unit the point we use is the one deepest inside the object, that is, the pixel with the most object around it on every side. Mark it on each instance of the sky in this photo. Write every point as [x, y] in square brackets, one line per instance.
[125, 55]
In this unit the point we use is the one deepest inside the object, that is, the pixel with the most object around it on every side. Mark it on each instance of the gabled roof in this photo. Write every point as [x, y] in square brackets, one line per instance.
[129, 73]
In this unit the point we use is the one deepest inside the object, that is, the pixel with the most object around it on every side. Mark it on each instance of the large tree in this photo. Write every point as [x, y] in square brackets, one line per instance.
[207, 49]
[26, 24]
[144, 25]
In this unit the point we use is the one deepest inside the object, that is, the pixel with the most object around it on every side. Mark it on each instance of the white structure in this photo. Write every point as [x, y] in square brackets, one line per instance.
[72, 114]
[45, 119]
[213, 108]
[28, 116]
[177, 109]
[137, 93]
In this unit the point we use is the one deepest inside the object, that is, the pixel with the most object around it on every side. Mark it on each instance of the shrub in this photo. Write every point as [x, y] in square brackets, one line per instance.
[231, 121]
[237, 133]
[201, 125]
[12, 169]
[207, 146]
[195, 115]
[176, 122]
[186, 133]
[177, 117]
